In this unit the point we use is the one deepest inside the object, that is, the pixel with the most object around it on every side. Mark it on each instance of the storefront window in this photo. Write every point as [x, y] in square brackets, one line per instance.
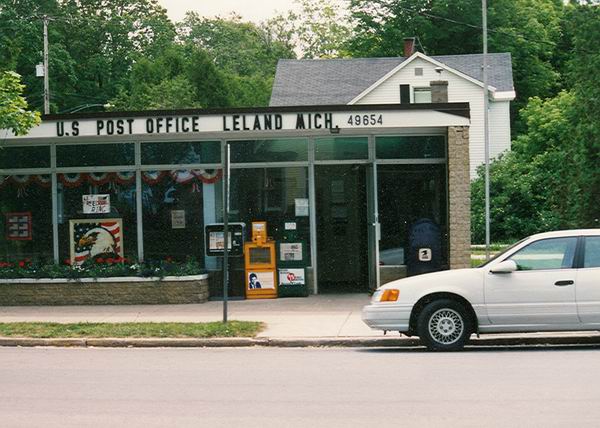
[97, 216]
[276, 150]
[95, 155]
[275, 195]
[173, 153]
[410, 195]
[411, 147]
[176, 206]
[25, 157]
[25, 213]
[341, 148]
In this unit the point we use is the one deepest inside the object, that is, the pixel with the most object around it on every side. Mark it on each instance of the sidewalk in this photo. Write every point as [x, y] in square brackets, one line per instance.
[320, 316]
[322, 320]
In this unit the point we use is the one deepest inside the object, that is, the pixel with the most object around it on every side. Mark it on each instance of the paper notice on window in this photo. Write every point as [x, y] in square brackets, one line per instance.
[96, 204]
[178, 219]
[301, 207]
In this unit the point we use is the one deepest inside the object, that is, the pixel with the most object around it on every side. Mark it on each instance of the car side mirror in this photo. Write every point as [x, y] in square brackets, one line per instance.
[507, 266]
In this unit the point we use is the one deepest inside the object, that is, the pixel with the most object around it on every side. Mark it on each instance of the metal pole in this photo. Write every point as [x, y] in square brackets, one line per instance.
[486, 130]
[225, 229]
[46, 79]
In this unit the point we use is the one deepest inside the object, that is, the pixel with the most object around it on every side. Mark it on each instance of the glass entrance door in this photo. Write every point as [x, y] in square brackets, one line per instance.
[342, 228]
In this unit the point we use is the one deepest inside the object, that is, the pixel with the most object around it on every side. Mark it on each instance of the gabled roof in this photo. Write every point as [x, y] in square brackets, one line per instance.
[339, 81]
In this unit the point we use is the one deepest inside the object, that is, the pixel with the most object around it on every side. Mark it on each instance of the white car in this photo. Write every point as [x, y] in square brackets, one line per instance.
[546, 282]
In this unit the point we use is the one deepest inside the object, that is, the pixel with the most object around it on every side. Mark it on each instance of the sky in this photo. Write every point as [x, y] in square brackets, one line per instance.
[250, 10]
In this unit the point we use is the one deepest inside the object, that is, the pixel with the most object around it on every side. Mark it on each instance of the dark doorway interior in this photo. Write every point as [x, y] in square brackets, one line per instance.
[342, 245]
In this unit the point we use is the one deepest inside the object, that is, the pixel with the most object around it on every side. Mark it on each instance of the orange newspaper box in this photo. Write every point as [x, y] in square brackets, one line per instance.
[260, 264]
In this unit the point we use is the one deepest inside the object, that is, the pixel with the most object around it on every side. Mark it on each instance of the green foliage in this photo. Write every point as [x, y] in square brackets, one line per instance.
[244, 54]
[130, 330]
[92, 45]
[320, 29]
[544, 183]
[99, 268]
[13, 107]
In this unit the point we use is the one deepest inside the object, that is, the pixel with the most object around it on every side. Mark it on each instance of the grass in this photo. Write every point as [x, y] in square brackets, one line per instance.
[130, 330]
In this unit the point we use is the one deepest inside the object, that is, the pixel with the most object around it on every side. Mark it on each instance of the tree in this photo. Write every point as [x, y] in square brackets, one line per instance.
[245, 55]
[13, 107]
[320, 29]
[181, 77]
[93, 44]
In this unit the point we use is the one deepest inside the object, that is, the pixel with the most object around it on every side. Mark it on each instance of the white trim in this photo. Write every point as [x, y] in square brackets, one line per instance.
[408, 61]
[110, 279]
[504, 95]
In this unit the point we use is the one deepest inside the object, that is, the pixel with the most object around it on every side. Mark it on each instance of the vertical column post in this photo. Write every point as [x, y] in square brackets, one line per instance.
[139, 205]
[54, 179]
[225, 159]
[312, 212]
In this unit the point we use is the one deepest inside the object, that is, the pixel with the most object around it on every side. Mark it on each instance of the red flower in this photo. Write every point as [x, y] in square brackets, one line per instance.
[110, 260]
[22, 264]
[99, 260]
[169, 259]
[67, 261]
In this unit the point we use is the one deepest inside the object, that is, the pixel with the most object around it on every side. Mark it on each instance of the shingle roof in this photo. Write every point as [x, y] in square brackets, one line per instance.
[338, 81]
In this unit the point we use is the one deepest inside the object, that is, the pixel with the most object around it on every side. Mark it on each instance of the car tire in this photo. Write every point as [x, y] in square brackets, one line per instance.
[444, 325]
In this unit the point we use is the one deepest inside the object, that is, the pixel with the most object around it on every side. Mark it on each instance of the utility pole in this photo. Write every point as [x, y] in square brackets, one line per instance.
[486, 130]
[46, 78]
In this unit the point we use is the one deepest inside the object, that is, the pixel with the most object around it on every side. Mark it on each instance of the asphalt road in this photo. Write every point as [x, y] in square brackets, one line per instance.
[264, 387]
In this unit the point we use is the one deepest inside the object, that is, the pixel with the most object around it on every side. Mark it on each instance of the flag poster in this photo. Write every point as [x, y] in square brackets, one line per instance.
[18, 226]
[96, 238]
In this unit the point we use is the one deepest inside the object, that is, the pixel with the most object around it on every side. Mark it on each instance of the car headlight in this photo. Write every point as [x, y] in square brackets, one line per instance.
[387, 295]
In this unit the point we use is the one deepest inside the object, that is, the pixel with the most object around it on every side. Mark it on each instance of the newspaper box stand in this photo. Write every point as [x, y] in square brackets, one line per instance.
[292, 259]
[260, 264]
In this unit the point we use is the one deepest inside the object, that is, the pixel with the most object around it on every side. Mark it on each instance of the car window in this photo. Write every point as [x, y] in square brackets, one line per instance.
[554, 253]
[592, 252]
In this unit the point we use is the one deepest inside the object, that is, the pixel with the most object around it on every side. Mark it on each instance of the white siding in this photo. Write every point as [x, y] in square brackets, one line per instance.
[459, 90]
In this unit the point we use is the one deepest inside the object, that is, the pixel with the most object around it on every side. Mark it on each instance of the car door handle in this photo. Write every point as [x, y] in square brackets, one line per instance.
[563, 283]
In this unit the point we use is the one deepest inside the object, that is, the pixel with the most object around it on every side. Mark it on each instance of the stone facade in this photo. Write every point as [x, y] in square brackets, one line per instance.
[108, 291]
[459, 197]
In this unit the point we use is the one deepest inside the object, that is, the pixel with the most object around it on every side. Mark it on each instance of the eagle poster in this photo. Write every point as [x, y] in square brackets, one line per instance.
[95, 238]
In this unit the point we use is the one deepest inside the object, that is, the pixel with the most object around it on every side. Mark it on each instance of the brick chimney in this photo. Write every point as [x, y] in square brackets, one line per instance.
[439, 91]
[409, 46]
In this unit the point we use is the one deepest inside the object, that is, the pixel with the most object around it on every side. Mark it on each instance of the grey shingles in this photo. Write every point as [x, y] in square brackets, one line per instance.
[338, 81]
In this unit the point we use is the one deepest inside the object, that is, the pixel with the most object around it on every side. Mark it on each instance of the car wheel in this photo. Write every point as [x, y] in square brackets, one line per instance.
[443, 325]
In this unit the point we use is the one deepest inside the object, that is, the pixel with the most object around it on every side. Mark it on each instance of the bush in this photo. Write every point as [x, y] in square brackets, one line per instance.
[99, 268]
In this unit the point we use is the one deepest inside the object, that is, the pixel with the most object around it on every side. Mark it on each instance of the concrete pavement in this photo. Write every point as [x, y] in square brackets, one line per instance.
[330, 316]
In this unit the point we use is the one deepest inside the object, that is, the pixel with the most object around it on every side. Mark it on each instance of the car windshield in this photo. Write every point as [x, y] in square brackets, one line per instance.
[501, 253]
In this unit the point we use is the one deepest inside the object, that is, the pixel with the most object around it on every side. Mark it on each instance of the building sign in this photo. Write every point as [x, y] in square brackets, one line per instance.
[178, 219]
[247, 122]
[291, 277]
[18, 226]
[96, 204]
[98, 239]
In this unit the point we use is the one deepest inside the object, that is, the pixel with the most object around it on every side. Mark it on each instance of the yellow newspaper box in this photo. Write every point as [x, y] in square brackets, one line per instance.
[260, 261]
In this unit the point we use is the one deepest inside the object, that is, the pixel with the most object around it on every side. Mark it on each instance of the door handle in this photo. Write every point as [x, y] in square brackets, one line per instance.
[563, 283]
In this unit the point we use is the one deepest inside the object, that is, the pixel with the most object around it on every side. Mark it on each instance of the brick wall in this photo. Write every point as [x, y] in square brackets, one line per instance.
[103, 293]
[459, 196]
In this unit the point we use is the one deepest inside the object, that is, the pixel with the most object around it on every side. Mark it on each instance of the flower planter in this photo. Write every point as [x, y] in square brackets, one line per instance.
[104, 291]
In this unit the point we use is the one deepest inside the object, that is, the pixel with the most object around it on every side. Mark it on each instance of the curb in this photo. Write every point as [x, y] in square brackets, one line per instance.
[237, 342]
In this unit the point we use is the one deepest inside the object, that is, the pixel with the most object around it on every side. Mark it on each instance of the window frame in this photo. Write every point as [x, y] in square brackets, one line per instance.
[422, 89]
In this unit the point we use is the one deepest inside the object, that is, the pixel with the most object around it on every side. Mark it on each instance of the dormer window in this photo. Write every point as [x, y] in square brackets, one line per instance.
[422, 95]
